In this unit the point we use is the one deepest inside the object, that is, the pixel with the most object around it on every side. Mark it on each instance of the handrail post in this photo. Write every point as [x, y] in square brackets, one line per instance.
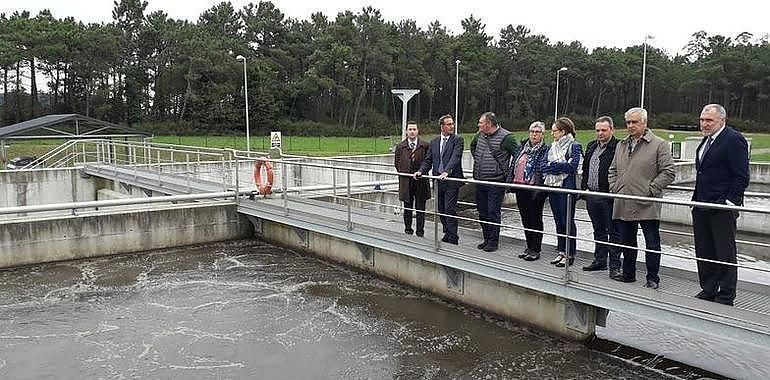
[568, 239]
[436, 243]
[285, 180]
[237, 181]
[187, 176]
[159, 168]
[334, 182]
[349, 201]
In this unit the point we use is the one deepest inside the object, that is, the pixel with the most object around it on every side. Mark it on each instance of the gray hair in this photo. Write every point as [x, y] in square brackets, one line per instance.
[490, 117]
[606, 119]
[717, 107]
[537, 124]
[639, 111]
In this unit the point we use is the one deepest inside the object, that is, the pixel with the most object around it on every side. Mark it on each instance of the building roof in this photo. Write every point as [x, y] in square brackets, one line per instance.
[68, 126]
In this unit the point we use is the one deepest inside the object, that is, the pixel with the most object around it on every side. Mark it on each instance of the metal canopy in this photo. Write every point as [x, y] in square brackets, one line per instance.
[67, 126]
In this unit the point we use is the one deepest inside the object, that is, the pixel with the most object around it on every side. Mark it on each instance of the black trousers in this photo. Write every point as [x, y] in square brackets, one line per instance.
[530, 205]
[627, 231]
[714, 232]
[446, 204]
[419, 205]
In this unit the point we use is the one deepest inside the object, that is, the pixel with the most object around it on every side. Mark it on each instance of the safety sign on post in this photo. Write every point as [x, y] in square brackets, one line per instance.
[275, 144]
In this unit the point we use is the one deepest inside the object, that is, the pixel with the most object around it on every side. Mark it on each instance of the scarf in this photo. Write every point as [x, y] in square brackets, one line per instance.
[558, 153]
[532, 151]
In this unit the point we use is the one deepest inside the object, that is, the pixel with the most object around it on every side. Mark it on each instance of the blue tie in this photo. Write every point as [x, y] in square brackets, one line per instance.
[706, 148]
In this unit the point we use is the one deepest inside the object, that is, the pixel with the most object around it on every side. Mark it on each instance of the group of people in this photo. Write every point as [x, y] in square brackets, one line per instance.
[639, 165]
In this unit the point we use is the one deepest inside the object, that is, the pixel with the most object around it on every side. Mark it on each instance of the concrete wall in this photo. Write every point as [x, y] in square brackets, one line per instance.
[44, 186]
[69, 238]
[544, 311]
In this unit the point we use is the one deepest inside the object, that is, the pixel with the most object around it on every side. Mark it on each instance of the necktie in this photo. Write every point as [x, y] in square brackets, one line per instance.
[706, 148]
[411, 145]
[441, 153]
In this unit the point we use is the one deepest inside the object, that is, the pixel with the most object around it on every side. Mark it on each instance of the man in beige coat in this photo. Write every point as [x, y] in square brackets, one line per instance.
[642, 166]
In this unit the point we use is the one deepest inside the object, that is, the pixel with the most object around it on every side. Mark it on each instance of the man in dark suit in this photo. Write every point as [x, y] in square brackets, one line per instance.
[722, 165]
[413, 192]
[444, 159]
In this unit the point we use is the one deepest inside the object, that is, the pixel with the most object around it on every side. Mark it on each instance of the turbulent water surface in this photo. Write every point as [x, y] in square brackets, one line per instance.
[247, 309]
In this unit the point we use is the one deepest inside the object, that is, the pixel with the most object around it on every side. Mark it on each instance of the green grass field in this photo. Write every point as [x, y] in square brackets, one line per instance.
[327, 146]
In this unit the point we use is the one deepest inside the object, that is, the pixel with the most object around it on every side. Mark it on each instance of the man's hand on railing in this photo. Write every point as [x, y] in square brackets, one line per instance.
[417, 174]
[443, 175]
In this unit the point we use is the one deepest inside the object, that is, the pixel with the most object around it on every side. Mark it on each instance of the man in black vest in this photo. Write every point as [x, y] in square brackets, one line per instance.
[596, 166]
[492, 148]
[445, 159]
[722, 165]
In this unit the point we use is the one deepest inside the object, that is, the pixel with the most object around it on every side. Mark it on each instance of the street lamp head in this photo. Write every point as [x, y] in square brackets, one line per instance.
[240, 58]
[457, 61]
[649, 37]
[563, 69]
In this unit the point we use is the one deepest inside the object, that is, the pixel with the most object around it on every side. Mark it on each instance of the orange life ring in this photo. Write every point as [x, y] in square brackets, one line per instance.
[264, 185]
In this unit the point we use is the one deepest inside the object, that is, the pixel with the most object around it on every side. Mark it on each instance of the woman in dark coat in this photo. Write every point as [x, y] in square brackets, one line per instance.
[413, 192]
[526, 171]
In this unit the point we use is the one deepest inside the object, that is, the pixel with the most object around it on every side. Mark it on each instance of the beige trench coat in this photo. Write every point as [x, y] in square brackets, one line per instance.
[645, 172]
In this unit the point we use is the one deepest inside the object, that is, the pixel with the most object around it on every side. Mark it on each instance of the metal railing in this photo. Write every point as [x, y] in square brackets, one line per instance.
[231, 170]
[570, 194]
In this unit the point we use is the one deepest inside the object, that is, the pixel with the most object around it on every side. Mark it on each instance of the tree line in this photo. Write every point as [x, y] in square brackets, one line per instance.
[334, 76]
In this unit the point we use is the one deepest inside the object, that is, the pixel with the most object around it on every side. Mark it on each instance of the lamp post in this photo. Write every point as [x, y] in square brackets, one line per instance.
[457, 88]
[556, 106]
[246, 96]
[644, 67]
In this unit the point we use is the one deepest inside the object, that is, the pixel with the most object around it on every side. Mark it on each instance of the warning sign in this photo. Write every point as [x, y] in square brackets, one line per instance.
[275, 140]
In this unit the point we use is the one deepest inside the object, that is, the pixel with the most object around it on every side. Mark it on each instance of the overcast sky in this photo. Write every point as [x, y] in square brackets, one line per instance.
[593, 22]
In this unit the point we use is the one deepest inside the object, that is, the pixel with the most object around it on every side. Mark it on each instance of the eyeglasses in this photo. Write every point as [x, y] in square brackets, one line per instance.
[535, 131]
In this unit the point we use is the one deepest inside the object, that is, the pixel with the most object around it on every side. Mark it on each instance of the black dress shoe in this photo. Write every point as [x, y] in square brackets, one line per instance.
[482, 244]
[651, 284]
[420, 233]
[532, 256]
[594, 267]
[724, 301]
[490, 247]
[623, 278]
[408, 231]
[445, 239]
[615, 272]
[524, 254]
[704, 295]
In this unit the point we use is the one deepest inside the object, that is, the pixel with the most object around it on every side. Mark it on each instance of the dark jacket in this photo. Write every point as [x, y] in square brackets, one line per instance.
[570, 167]
[407, 161]
[723, 174]
[604, 164]
[453, 157]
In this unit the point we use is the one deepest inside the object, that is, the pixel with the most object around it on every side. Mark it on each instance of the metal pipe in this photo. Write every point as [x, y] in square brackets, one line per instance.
[349, 201]
[436, 243]
[568, 239]
[285, 180]
[113, 202]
